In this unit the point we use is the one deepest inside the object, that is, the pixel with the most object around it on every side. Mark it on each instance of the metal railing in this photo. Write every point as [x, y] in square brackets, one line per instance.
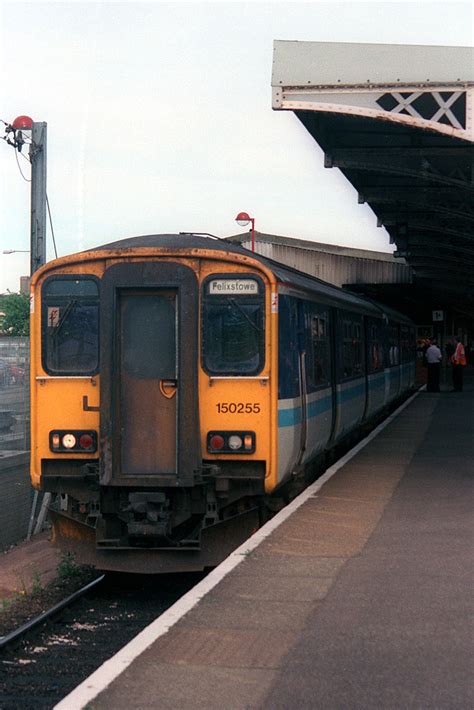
[17, 492]
[14, 394]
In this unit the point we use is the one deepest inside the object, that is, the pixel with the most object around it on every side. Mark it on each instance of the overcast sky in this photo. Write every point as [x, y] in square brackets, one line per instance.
[159, 118]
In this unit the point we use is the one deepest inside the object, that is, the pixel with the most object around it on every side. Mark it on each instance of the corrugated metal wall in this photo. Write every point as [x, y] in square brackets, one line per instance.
[334, 268]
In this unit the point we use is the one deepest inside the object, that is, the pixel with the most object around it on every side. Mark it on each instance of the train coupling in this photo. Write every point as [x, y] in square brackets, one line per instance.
[148, 515]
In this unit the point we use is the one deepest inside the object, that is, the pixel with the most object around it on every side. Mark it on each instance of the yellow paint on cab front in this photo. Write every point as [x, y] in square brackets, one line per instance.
[231, 403]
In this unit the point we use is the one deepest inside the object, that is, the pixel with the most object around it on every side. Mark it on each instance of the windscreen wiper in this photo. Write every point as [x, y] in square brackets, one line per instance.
[67, 311]
[256, 327]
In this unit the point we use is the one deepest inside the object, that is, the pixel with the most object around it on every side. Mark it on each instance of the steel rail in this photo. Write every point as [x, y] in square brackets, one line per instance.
[29, 625]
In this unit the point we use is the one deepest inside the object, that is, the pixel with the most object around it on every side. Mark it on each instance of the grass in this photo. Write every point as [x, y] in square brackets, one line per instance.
[67, 567]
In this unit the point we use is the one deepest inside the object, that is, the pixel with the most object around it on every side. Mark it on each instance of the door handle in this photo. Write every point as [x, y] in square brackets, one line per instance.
[168, 388]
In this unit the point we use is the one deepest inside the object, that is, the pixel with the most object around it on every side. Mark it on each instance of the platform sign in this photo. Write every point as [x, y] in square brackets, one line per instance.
[438, 316]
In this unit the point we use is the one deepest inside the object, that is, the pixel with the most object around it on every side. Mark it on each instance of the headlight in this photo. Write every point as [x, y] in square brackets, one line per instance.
[235, 442]
[69, 441]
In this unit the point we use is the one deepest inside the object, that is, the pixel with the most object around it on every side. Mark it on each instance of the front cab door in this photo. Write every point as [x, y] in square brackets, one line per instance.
[149, 351]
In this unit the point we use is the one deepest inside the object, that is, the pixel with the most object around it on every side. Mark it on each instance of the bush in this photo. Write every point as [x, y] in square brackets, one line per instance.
[16, 307]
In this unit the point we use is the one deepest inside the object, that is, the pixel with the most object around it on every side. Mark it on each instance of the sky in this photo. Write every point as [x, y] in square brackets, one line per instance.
[160, 120]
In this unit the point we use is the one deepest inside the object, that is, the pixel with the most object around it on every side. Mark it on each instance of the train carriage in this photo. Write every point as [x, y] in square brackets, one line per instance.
[178, 381]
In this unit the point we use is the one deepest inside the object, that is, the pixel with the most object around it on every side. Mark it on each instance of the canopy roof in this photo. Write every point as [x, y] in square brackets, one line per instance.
[399, 123]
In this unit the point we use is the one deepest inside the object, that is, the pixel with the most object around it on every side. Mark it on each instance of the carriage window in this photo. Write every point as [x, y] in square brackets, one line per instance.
[393, 352]
[233, 326]
[376, 349]
[318, 365]
[407, 340]
[70, 326]
[352, 348]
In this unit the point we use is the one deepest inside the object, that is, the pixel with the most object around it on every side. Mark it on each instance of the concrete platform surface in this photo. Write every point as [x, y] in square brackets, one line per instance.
[360, 599]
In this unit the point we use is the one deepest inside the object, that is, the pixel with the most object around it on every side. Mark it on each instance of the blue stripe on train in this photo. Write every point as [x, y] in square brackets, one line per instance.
[289, 417]
[292, 417]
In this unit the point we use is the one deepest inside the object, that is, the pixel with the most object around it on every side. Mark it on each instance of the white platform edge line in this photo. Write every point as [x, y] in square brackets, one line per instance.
[111, 669]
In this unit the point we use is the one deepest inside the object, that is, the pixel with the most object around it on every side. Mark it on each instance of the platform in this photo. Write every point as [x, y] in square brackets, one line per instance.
[357, 595]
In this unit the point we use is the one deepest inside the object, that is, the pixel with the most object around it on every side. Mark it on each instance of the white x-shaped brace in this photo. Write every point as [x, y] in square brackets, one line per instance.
[404, 104]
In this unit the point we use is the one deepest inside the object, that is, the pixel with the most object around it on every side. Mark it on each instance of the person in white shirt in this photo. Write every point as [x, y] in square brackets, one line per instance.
[433, 359]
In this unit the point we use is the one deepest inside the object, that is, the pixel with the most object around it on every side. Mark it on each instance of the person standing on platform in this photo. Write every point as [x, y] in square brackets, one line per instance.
[433, 361]
[459, 362]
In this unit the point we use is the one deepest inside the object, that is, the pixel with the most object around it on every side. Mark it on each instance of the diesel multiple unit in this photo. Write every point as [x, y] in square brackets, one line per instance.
[179, 381]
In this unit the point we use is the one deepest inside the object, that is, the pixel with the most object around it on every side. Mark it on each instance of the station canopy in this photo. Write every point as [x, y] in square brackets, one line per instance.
[398, 121]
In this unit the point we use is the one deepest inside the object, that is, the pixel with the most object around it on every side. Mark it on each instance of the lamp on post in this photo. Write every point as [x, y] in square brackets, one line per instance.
[38, 133]
[242, 220]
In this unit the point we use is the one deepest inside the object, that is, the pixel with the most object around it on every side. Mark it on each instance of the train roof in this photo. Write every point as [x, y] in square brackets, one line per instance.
[183, 240]
[285, 274]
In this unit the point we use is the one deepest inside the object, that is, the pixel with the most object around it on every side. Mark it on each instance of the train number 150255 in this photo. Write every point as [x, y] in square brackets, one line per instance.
[238, 407]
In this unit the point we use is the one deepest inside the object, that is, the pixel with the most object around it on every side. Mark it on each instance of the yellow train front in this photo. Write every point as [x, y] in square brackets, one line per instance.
[151, 400]
[178, 381]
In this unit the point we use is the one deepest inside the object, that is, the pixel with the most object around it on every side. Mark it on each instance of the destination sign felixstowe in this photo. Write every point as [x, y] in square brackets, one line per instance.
[234, 287]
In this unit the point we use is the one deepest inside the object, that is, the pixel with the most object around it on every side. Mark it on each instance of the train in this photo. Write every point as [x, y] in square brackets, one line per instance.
[181, 384]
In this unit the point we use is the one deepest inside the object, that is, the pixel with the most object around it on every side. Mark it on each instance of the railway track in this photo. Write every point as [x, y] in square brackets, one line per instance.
[14, 636]
[41, 662]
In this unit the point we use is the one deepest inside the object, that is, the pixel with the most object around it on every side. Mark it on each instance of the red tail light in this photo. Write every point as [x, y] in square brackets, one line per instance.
[86, 441]
[216, 442]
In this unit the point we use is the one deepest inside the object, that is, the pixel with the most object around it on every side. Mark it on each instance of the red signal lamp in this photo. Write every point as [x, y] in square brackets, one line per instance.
[23, 123]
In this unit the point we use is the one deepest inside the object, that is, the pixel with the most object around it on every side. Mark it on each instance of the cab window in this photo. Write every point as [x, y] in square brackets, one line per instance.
[233, 325]
[70, 326]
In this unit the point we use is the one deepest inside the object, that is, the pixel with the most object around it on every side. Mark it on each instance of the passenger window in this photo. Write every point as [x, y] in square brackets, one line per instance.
[376, 350]
[233, 340]
[407, 339]
[352, 348]
[393, 353]
[288, 360]
[70, 326]
[318, 361]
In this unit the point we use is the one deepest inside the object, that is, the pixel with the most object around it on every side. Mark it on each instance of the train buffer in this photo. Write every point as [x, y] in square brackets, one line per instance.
[358, 598]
